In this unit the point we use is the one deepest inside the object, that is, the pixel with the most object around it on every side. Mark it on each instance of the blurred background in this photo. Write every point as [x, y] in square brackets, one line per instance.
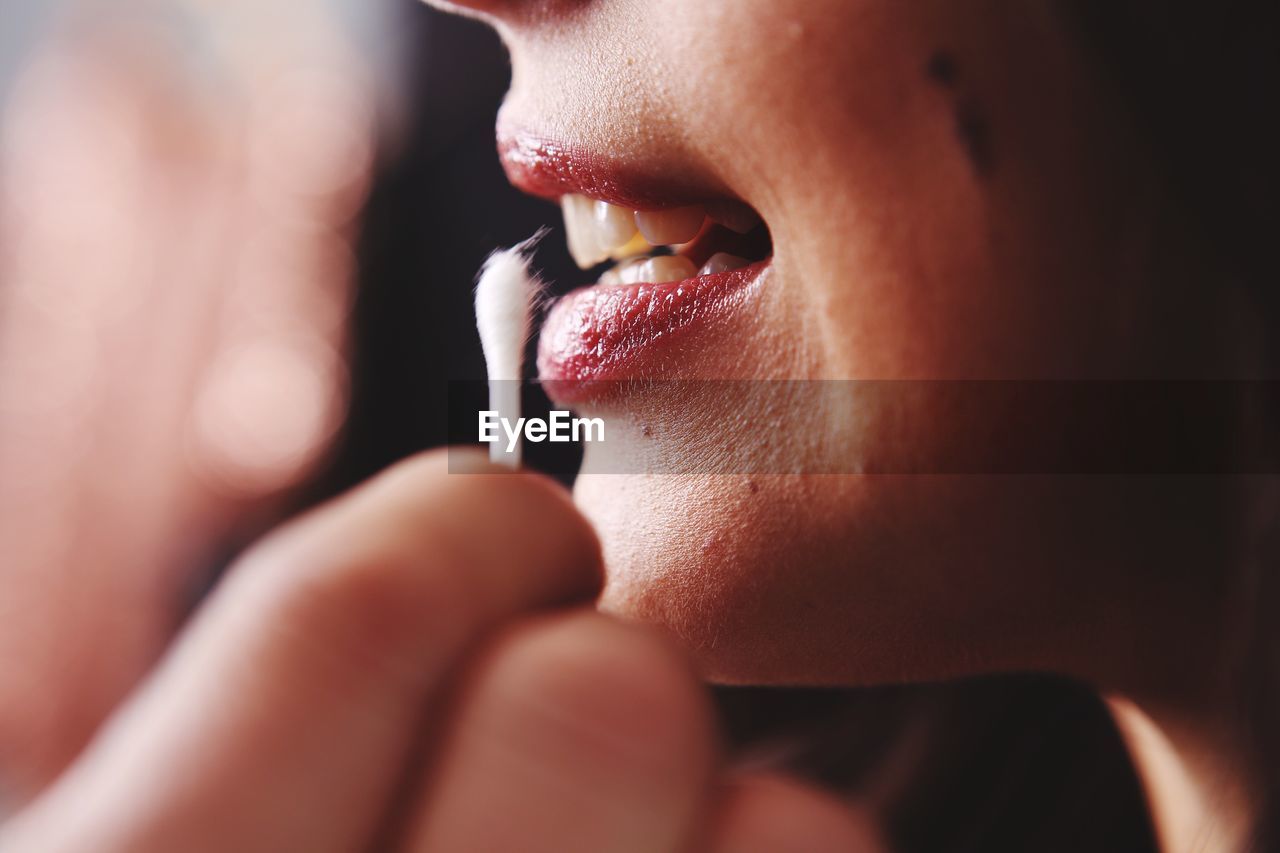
[237, 242]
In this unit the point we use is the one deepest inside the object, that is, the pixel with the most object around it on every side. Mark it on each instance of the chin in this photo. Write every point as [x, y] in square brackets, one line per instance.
[759, 577]
[841, 580]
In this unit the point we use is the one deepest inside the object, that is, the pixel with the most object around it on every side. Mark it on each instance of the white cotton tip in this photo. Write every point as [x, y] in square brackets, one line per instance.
[507, 295]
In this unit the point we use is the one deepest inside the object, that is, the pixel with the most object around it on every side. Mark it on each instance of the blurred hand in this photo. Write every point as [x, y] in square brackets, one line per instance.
[399, 669]
[175, 275]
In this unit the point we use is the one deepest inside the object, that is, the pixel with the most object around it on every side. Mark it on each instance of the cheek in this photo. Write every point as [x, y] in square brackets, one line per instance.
[823, 115]
[941, 182]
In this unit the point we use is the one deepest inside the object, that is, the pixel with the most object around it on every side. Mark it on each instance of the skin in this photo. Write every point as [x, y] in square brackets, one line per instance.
[984, 215]
[953, 193]
[897, 256]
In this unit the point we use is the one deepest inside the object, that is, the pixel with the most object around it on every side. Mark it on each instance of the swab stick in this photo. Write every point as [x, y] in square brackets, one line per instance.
[507, 294]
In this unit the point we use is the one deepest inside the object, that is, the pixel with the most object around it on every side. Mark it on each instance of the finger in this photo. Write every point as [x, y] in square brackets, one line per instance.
[772, 814]
[578, 733]
[283, 718]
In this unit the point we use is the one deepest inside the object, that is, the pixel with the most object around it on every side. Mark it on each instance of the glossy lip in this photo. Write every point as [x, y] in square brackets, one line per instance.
[548, 168]
[600, 334]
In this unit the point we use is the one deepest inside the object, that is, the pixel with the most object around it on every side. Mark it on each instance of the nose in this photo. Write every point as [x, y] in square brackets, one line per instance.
[466, 8]
[471, 8]
[491, 10]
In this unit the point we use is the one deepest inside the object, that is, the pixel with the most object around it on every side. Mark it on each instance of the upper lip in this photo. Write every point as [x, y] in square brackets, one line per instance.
[604, 331]
[550, 168]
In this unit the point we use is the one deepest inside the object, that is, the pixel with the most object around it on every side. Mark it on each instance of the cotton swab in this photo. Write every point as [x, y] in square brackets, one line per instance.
[507, 295]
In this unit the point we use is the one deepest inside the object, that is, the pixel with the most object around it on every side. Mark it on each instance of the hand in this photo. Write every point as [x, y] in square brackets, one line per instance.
[172, 341]
[404, 668]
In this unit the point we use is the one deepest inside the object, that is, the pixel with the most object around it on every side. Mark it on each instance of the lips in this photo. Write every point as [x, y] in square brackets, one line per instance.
[683, 260]
[599, 335]
[551, 169]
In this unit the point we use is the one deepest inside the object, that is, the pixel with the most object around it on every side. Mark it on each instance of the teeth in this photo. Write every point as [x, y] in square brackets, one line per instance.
[614, 226]
[733, 215]
[667, 268]
[651, 270]
[579, 226]
[635, 271]
[637, 245]
[598, 231]
[665, 227]
[723, 262]
[627, 272]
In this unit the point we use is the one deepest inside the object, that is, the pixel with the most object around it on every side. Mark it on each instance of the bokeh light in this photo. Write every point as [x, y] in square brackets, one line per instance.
[180, 185]
[266, 407]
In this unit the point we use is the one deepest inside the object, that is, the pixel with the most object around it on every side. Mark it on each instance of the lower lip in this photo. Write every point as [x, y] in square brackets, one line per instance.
[606, 333]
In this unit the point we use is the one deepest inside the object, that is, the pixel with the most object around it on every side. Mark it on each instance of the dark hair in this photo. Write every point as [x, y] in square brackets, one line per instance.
[1200, 81]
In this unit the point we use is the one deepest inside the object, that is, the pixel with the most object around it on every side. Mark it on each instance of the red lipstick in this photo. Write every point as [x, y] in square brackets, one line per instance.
[617, 332]
[604, 333]
[549, 168]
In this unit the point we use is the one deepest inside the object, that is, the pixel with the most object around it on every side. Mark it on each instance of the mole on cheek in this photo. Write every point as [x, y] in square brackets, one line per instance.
[973, 130]
[942, 69]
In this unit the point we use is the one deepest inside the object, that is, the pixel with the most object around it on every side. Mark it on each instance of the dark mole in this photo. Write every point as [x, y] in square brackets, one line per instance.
[972, 128]
[974, 133]
[942, 69]
[753, 486]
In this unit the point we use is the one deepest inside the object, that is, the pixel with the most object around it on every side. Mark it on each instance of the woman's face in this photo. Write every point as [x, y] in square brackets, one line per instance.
[950, 194]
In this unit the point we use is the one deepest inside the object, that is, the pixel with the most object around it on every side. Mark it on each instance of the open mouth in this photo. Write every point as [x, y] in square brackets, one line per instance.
[661, 245]
[667, 264]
